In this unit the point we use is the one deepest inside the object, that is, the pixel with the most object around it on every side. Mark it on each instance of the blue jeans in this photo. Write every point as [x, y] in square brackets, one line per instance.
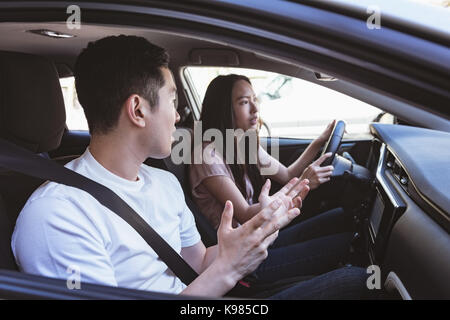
[311, 247]
[340, 284]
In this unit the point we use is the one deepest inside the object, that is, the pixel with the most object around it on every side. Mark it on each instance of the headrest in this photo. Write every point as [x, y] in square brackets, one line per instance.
[32, 112]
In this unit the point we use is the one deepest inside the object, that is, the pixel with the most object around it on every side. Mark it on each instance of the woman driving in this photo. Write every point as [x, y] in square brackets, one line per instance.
[313, 246]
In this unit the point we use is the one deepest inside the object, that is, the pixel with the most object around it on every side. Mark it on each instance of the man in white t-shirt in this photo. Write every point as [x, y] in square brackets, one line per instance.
[129, 98]
[64, 227]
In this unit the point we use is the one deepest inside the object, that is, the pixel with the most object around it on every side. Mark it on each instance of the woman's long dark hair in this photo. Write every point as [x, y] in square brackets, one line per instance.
[218, 113]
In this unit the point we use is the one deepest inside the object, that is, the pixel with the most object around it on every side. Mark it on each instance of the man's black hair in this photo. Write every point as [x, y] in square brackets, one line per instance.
[111, 69]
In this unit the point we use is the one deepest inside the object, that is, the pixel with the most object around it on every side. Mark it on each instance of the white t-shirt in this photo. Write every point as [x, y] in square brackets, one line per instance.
[64, 230]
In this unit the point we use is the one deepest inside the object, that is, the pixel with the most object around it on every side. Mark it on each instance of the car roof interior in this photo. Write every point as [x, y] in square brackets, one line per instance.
[184, 50]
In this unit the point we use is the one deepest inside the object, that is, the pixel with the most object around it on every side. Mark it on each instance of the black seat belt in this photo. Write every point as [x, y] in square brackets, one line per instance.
[17, 159]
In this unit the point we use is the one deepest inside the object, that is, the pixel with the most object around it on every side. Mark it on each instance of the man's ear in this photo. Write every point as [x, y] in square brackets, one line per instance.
[136, 110]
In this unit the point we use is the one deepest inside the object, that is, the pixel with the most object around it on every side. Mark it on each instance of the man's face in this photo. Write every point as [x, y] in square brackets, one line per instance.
[163, 118]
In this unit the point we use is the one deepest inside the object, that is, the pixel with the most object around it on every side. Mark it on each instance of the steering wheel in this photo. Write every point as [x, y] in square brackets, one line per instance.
[333, 142]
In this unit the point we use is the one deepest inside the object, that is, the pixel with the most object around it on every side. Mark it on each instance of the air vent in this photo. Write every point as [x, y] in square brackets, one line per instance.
[403, 178]
[397, 170]
[390, 160]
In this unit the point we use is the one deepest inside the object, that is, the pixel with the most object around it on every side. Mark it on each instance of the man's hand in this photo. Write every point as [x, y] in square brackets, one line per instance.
[317, 174]
[242, 249]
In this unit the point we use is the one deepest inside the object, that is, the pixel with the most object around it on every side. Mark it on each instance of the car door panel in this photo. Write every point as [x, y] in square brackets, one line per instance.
[18, 285]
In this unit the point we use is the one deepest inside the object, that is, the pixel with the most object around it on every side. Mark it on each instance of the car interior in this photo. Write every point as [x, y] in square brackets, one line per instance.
[393, 187]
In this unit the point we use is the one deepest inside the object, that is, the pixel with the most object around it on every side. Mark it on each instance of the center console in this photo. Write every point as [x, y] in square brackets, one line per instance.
[387, 205]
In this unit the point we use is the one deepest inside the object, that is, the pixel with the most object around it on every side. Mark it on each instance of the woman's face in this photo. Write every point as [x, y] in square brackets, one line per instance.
[244, 105]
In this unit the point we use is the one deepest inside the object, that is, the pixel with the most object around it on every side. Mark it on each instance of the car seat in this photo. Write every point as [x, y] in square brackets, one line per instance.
[32, 115]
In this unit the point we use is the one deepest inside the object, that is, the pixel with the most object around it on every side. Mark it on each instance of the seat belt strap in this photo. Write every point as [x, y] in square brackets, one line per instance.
[17, 159]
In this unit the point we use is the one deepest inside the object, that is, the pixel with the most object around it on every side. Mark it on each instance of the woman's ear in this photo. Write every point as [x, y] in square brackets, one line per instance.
[136, 109]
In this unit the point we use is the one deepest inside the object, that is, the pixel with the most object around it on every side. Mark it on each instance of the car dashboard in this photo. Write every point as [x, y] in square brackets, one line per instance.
[408, 217]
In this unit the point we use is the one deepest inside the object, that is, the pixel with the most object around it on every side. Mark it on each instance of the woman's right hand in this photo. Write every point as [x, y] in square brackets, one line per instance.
[317, 174]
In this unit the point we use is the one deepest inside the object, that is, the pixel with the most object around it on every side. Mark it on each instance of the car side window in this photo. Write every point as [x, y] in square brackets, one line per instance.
[75, 118]
[291, 107]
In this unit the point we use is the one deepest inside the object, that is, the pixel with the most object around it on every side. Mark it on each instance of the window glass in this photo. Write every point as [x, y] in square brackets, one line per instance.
[292, 107]
[75, 118]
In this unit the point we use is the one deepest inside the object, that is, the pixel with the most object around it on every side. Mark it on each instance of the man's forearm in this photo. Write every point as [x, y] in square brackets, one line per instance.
[210, 256]
[215, 281]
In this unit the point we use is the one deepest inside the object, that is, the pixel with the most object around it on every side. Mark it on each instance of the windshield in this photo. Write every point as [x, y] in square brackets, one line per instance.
[429, 15]
[438, 3]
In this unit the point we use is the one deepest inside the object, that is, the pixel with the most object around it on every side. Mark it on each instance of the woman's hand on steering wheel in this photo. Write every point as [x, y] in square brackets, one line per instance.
[317, 174]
